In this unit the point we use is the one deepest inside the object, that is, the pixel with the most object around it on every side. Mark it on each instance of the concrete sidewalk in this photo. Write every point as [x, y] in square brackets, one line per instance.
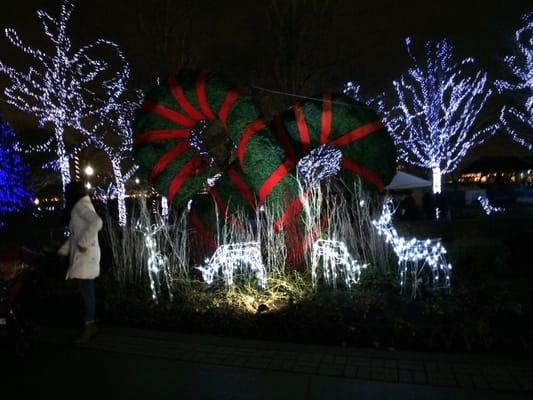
[485, 373]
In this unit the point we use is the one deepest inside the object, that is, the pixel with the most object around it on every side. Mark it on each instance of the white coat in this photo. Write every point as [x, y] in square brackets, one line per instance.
[84, 226]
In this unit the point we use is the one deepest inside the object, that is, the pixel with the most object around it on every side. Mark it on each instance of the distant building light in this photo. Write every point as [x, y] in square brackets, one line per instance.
[36, 201]
[137, 181]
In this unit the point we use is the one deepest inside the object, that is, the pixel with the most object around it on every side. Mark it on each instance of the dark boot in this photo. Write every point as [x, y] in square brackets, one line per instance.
[89, 330]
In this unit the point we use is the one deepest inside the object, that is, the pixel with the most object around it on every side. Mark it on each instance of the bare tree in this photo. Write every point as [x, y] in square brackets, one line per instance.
[58, 88]
[166, 24]
[295, 47]
[437, 115]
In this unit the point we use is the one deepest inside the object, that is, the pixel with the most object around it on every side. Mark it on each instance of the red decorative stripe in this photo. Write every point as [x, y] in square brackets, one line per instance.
[161, 134]
[202, 97]
[363, 172]
[357, 133]
[180, 97]
[274, 179]
[167, 158]
[284, 139]
[292, 209]
[250, 129]
[301, 247]
[168, 113]
[311, 236]
[198, 223]
[305, 139]
[189, 168]
[228, 102]
[221, 204]
[241, 186]
[326, 119]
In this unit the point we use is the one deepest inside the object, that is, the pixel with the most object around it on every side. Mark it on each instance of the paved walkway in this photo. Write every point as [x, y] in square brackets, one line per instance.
[485, 373]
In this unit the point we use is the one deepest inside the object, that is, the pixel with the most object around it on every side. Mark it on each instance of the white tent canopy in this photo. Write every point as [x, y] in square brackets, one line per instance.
[403, 180]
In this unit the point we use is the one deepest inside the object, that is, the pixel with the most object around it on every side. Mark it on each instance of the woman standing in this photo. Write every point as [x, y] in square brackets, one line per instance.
[83, 250]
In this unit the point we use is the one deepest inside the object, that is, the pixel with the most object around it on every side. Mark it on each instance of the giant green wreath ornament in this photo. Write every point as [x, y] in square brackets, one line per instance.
[165, 124]
[267, 153]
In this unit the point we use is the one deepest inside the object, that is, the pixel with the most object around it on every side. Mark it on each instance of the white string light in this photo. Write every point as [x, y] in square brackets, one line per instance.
[59, 90]
[337, 263]
[156, 260]
[321, 163]
[230, 258]
[115, 125]
[212, 180]
[415, 256]
[196, 140]
[434, 122]
[487, 207]
[55, 88]
[352, 89]
[164, 207]
[519, 122]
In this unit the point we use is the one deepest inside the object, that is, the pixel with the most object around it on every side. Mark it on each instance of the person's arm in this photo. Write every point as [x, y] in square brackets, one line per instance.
[93, 223]
[64, 250]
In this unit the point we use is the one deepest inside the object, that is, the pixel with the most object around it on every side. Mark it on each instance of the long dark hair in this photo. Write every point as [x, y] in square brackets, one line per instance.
[74, 191]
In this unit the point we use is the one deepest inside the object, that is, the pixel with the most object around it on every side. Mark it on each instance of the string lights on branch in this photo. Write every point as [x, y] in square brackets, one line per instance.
[55, 88]
[352, 89]
[518, 122]
[321, 163]
[435, 120]
[487, 207]
[74, 89]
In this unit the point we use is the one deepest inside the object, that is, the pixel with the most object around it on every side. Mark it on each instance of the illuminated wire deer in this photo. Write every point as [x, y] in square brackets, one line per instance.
[337, 262]
[229, 258]
[156, 261]
[415, 256]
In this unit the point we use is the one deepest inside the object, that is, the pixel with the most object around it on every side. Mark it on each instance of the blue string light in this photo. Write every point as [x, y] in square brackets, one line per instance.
[14, 191]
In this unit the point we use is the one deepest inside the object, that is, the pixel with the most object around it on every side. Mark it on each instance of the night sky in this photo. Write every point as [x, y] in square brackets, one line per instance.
[323, 43]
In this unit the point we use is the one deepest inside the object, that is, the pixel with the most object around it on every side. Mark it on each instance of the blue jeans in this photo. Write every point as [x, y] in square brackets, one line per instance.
[89, 299]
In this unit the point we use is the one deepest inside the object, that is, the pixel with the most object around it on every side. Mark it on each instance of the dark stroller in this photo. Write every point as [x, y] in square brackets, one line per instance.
[16, 269]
